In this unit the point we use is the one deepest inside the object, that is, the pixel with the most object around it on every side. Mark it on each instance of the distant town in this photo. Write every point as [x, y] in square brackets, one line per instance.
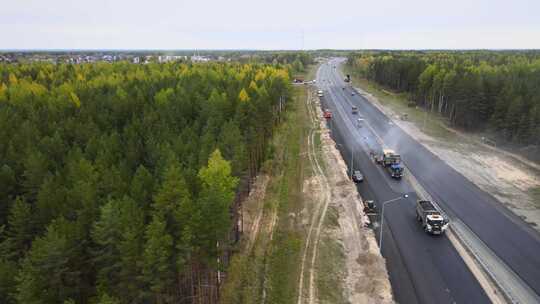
[79, 57]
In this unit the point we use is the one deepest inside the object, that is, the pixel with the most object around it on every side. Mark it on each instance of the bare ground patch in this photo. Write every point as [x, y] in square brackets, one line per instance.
[253, 209]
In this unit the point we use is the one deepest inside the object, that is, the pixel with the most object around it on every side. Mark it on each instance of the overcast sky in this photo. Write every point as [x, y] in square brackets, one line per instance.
[274, 24]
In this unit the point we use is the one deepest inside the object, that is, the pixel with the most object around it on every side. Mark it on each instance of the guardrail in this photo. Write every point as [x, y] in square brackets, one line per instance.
[470, 249]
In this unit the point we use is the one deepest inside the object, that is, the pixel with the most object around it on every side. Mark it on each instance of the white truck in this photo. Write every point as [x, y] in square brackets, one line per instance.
[432, 220]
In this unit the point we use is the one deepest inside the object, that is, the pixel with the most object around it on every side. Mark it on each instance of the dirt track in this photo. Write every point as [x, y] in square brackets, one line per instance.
[319, 211]
[253, 221]
[366, 279]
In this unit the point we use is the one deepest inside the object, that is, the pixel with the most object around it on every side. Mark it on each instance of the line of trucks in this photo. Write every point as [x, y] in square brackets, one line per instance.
[429, 216]
[391, 161]
[432, 220]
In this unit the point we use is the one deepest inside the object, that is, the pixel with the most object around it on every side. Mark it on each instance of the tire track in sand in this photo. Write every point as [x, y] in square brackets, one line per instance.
[319, 212]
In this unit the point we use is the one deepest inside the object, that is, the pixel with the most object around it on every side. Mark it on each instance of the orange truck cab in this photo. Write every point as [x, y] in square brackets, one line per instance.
[327, 114]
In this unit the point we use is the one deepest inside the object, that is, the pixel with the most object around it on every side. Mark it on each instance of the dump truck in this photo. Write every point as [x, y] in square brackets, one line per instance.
[395, 170]
[391, 161]
[390, 157]
[432, 220]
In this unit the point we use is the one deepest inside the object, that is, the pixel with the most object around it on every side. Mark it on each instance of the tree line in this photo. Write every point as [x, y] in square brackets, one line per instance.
[117, 180]
[475, 90]
[296, 61]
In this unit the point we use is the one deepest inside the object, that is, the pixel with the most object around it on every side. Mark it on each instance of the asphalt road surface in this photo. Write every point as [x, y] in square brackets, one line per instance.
[424, 268]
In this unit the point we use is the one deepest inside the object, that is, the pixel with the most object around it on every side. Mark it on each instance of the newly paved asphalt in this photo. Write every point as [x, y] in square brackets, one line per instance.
[425, 268]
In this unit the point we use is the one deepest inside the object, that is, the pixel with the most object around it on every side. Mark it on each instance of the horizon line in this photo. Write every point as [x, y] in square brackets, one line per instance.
[254, 49]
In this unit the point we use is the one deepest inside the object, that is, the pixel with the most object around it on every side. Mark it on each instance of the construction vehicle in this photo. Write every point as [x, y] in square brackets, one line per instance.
[327, 114]
[395, 170]
[432, 220]
[369, 207]
[391, 161]
[357, 176]
[390, 157]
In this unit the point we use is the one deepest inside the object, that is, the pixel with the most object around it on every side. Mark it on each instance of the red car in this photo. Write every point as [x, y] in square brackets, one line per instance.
[327, 114]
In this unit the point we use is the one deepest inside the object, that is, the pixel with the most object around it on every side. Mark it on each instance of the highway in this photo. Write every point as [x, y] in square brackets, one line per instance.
[424, 268]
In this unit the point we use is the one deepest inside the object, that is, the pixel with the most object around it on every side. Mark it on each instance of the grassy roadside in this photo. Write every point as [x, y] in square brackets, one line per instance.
[331, 263]
[430, 123]
[271, 269]
[285, 250]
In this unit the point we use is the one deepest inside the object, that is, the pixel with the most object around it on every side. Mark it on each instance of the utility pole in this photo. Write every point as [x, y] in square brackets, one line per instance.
[382, 217]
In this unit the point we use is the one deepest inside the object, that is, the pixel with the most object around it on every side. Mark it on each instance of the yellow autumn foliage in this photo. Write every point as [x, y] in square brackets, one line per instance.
[253, 86]
[75, 99]
[243, 96]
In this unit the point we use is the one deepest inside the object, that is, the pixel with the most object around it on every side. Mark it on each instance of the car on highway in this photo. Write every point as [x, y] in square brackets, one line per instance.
[352, 93]
[357, 176]
[354, 109]
[327, 114]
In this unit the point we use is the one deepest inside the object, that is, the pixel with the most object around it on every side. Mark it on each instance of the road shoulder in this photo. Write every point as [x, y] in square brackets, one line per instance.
[366, 277]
